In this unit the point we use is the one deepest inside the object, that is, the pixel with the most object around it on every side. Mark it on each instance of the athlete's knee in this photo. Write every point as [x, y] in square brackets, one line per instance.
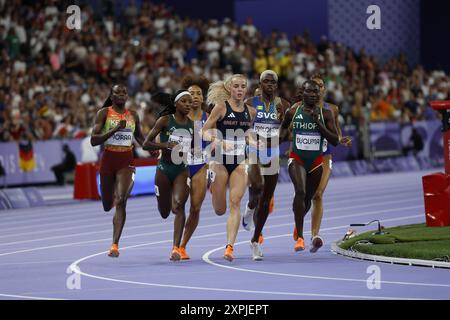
[121, 201]
[107, 206]
[300, 192]
[220, 209]
[235, 202]
[318, 196]
[165, 213]
[178, 206]
[194, 210]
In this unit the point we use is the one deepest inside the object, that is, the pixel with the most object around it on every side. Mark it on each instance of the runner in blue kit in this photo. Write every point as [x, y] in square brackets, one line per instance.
[198, 167]
[263, 167]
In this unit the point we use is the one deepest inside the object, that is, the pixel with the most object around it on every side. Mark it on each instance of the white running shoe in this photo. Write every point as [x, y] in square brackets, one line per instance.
[256, 251]
[316, 244]
[247, 219]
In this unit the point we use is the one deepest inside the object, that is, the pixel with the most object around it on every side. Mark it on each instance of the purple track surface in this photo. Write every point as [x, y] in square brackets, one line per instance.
[38, 245]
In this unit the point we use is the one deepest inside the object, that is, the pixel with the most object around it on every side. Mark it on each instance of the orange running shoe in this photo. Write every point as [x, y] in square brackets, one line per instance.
[295, 234]
[175, 254]
[261, 238]
[300, 245]
[271, 204]
[183, 254]
[114, 251]
[228, 255]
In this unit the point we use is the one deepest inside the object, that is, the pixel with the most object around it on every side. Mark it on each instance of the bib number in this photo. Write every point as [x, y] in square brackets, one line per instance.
[307, 142]
[197, 158]
[184, 143]
[266, 130]
[234, 148]
[121, 139]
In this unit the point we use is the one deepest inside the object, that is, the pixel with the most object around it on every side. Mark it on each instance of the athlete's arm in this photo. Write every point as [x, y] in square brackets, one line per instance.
[97, 137]
[209, 133]
[286, 124]
[329, 129]
[345, 141]
[150, 143]
[138, 135]
[282, 107]
[251, 134]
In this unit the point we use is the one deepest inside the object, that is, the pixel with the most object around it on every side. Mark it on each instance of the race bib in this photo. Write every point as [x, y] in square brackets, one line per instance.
[308, 142]
[266, 130]
[121, 139]
[197, 158]
[234, 148]
[184, 142]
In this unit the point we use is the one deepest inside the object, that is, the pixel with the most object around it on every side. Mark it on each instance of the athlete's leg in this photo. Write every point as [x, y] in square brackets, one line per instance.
[238, 185]
[312, 183]
[317, 213]
[163, 193]
[107, 186]
[219, 187]
[256, 185]
[124, 184]
[197, 196]
[180, 196]
[298, 177]
[270, 182]
[256, 182]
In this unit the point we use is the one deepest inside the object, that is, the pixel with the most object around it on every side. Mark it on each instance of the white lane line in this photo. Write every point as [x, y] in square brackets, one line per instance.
[27, 297]
[200, 227]
[140, 226]
[209, 261]
[74, 267]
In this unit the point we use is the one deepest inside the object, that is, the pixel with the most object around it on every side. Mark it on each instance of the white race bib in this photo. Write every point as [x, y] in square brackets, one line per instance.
[235, 148]
[308, 142]
[197, 158]
[183, 141]
[121, 139]
[266, 130]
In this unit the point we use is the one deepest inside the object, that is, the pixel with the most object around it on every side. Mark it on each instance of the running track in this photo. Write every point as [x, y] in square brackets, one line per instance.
[38, 246]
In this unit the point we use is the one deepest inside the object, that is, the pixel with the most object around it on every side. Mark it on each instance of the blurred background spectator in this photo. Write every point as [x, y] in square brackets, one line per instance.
[54, 79]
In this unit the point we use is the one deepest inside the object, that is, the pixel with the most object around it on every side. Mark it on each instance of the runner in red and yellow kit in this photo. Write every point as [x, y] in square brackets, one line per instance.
[115, 127]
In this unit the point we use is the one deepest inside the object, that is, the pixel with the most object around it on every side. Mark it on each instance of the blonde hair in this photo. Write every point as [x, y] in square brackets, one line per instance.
[220, 91]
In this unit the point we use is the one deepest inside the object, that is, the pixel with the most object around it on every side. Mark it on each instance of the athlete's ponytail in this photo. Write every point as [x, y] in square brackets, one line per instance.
[168, 101]
[108, 101]
[220, 91]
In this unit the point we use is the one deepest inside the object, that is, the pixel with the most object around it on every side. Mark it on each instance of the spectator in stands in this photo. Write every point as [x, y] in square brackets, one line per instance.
[66, 166]
[416, 143]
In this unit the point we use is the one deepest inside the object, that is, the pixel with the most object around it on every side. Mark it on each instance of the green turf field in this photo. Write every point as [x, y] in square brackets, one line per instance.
[411, 241]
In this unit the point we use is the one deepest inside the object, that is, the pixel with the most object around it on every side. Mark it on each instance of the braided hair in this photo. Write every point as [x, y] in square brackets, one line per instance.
[167, 101]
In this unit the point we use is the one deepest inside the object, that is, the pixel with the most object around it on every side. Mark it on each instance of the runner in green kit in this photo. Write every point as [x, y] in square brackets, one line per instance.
[176, 131]
[309, 125]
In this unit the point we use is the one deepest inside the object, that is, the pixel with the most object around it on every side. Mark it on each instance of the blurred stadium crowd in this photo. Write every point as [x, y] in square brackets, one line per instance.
[55, 79]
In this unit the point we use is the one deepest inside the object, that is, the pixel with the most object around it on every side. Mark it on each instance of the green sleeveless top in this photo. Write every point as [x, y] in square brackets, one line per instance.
[180, 133]
[307, 138]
